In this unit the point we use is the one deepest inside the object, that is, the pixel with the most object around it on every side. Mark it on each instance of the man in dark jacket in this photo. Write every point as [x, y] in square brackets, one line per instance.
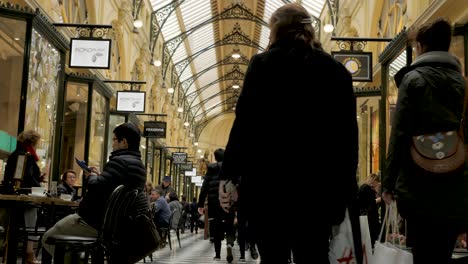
[430, 99]
[220, 222]
[124, 167]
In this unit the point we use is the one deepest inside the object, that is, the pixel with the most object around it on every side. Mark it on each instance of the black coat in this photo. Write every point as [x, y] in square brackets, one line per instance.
[210, 189]
[266, 150]
[124, 167]
[32, 173]
[430, 99]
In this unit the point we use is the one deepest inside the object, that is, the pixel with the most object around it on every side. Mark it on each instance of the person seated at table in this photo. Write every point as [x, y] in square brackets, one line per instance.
[68, 182]
[124, 167]
[27, 142]
[161, 212]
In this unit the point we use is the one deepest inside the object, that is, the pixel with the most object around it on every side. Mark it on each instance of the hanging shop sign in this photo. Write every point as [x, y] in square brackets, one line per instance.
[154, 129]
[186, 166]
[359, 64]
[131, 101]
[179, 157]
[90, 53]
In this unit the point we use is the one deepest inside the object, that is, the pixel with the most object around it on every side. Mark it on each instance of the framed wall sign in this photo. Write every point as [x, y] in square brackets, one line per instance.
[358, 63]
[179, 157]
[91, 53]
[154, 129]
[186, 166]
[131, 101]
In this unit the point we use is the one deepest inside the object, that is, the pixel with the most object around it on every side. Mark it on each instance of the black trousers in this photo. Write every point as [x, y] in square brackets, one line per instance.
[432, 240]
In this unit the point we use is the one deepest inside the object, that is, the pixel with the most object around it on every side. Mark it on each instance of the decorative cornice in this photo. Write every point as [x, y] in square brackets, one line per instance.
[367, 91]
[16, 8]
[394, 47]
[43, 24]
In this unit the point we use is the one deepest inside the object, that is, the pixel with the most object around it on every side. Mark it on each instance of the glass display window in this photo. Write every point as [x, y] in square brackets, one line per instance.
[97, 130]
[12, 43]
[74, 127]
[42, 89]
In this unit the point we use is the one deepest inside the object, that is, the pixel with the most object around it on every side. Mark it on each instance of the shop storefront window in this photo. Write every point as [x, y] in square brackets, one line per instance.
[13, 34]
[74, 128]
[457, 48]
[114, 121]
[43, 84]
[97, 131]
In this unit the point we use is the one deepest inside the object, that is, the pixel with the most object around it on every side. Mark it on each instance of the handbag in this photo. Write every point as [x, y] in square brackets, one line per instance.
[386, 252]
[441, 153]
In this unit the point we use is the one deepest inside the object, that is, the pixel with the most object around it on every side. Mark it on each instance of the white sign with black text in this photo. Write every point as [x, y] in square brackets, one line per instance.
[90, 53]
[131, 101]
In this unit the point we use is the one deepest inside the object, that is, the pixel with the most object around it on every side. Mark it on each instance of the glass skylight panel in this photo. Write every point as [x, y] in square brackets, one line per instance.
[270, 7]
[203, 38]
[264, 37]
[398, 63]
[314, 7]
[206, 59]
[180, 53]
[195, 12]
[156, 4]
[212, 90]
[208, 77]
[171, 28]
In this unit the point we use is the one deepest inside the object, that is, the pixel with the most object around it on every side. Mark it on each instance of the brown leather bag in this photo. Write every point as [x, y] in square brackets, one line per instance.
[441, 153]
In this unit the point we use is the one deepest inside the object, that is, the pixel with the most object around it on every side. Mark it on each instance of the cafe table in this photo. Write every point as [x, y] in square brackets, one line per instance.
[15, 205]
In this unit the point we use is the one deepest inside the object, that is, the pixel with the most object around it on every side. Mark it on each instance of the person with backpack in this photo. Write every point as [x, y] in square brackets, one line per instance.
[220, 222]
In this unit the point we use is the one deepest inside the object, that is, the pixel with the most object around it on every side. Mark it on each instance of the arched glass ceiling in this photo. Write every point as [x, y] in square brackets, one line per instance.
[191, 13]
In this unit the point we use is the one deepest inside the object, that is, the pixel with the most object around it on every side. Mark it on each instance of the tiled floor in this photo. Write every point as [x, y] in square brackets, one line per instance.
[195, 250]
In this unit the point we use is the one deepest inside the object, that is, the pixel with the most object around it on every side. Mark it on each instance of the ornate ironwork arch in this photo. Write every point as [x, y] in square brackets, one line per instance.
[236, 37]
[234, 75]
[229, 100]
[236, 11]
[159, 18]
[195, 108]
[202, 124]
[229, 60]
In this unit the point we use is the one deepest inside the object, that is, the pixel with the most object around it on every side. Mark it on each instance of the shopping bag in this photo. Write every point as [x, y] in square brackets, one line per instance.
[341, 245]
[367, 257]
[387, 252]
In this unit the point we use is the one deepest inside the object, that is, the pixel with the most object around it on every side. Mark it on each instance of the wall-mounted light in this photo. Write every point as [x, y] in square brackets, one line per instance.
[192, 135]
[195, 143]
[199, 151]
[138, 23]
[156, 63]
[180, 109]
[170, 90]
[328, 28]
[235, 86]
[186, 124]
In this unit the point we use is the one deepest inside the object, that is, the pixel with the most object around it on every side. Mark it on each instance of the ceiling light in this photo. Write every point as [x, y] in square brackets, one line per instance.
[328, 28]
[199, 151]
[201, 156]
[192, 135]
[157, 63]
[195, 143]
[138, 23]
[170, 90]
[236, 55]
[186, 124]
[233, 108]
[16, 38]
[235, 86]
[180, 109]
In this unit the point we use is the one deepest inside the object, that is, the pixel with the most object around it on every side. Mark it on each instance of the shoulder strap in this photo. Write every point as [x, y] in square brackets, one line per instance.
[461, 131]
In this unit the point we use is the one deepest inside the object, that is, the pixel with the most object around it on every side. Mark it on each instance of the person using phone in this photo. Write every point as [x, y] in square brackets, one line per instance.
[124, 167]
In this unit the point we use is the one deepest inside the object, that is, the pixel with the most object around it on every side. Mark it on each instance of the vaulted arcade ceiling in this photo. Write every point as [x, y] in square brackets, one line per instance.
[207, 47]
